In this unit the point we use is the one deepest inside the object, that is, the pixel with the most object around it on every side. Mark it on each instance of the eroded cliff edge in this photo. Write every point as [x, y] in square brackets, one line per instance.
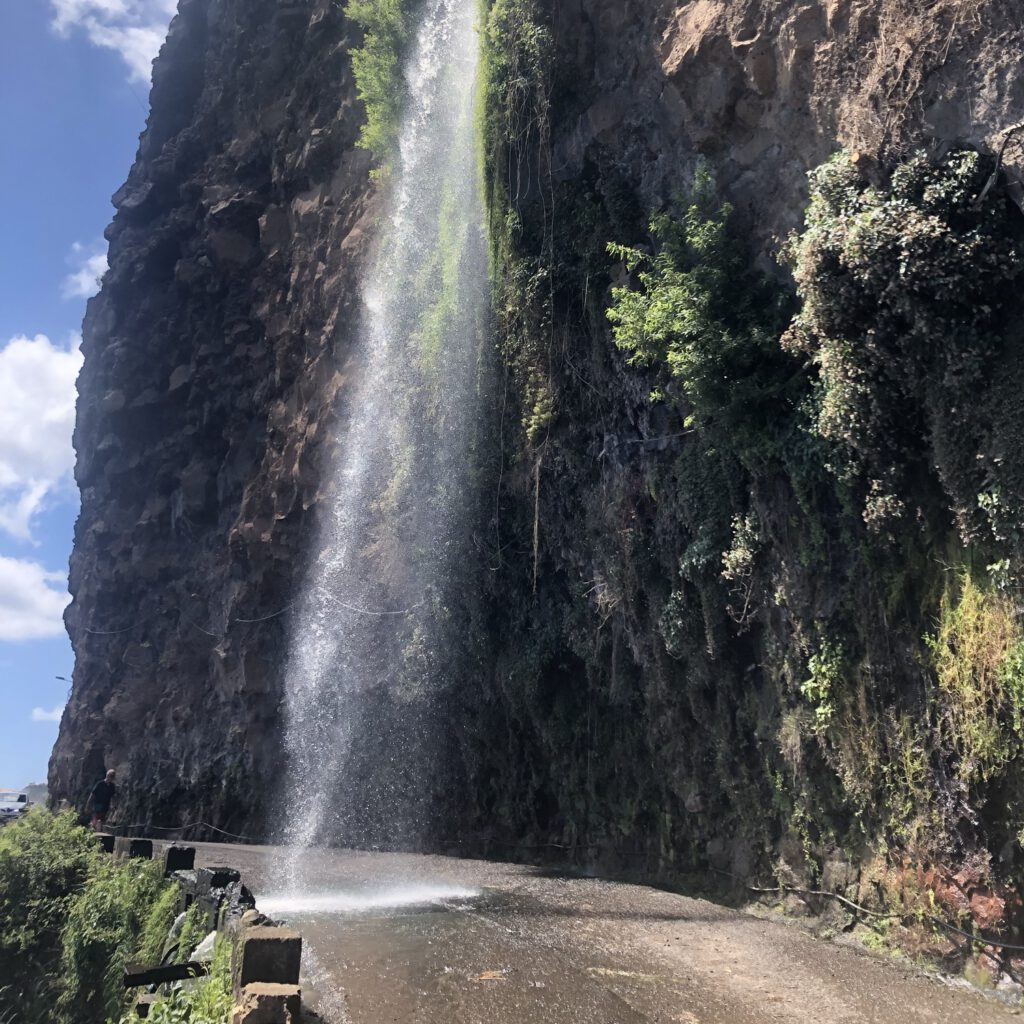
[611, 701]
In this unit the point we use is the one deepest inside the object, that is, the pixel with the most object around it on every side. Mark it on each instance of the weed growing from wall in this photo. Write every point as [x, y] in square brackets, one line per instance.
[826, 673]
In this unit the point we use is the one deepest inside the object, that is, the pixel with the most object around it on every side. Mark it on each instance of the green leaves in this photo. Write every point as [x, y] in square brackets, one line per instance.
[45, 860]
[707, 324]
[72, 918]
[206, 1001]
[377, 66]
[102, 931]
[905, 291]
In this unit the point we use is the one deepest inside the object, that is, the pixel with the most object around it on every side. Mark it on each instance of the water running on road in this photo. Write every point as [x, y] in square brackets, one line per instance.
[534, 948]
[342, 902]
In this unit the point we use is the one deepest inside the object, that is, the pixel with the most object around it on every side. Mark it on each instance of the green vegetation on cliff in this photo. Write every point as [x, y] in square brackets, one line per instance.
[905, 298]
[387, 27]
[517, 80]
[755, 555]
[72, 918]
[743, 626]
[708, 325]
[908, 297]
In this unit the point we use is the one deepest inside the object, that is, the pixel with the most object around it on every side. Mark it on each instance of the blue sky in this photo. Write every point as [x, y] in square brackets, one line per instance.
[74, 81]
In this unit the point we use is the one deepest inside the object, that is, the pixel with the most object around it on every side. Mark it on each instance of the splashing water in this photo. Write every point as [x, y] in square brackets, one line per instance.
[366, 663]
[393, 898]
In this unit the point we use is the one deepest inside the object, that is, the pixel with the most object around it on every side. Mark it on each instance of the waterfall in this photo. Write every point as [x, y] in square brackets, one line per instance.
[366, 664]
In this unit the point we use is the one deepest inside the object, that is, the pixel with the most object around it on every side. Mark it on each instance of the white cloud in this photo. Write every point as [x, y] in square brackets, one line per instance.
[42, 715]
[84, 282]
[37, 418]
[32, 600]
[133, 28]
[67, 13]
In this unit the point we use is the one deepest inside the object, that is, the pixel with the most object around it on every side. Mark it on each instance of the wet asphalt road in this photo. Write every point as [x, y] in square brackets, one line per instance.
[533, 947]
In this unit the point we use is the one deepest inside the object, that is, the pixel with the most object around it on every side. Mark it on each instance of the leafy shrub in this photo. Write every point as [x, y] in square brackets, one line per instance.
[826, 670]
[377, 65]
[72, 918]
[103, 929]
[45, 860]
[905, 294]
[706, 321]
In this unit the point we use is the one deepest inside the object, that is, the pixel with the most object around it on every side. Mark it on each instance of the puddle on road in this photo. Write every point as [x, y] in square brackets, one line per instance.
[334, 902]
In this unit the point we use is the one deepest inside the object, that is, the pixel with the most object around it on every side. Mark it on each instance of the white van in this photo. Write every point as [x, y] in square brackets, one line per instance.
[12, 804]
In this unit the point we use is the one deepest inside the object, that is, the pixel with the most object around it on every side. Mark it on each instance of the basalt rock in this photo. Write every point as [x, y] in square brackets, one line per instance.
[634, 718]
[212, 357]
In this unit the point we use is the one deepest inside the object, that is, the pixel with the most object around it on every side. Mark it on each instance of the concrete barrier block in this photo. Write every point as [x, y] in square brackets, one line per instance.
[268, 1004]
[144, 1004]
[188, 880]
[186, 888]
[178, 858]
[267, 954]
[124, 846]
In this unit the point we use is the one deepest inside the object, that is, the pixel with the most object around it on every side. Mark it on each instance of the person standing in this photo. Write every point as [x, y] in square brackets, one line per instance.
[101, 798]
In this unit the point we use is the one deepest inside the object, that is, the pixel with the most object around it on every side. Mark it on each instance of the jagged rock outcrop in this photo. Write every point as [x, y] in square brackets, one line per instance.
[765, 90]
[212, 357]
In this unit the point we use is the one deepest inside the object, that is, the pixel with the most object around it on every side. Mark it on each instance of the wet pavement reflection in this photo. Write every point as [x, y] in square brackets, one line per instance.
[404, 939]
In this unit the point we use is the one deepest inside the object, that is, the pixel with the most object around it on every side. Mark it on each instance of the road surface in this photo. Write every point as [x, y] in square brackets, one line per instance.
[403, 939]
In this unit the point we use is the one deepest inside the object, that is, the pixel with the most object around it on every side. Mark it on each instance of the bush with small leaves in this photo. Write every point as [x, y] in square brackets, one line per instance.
[708, 324]
[907, 291]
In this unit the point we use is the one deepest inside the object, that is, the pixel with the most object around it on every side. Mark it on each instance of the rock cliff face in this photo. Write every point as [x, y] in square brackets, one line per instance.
[213, 355]
[702, 658]
[765, 90]
[616, 702]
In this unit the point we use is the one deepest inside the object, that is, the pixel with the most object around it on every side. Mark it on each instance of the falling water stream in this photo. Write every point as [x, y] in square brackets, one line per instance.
[366, 663]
